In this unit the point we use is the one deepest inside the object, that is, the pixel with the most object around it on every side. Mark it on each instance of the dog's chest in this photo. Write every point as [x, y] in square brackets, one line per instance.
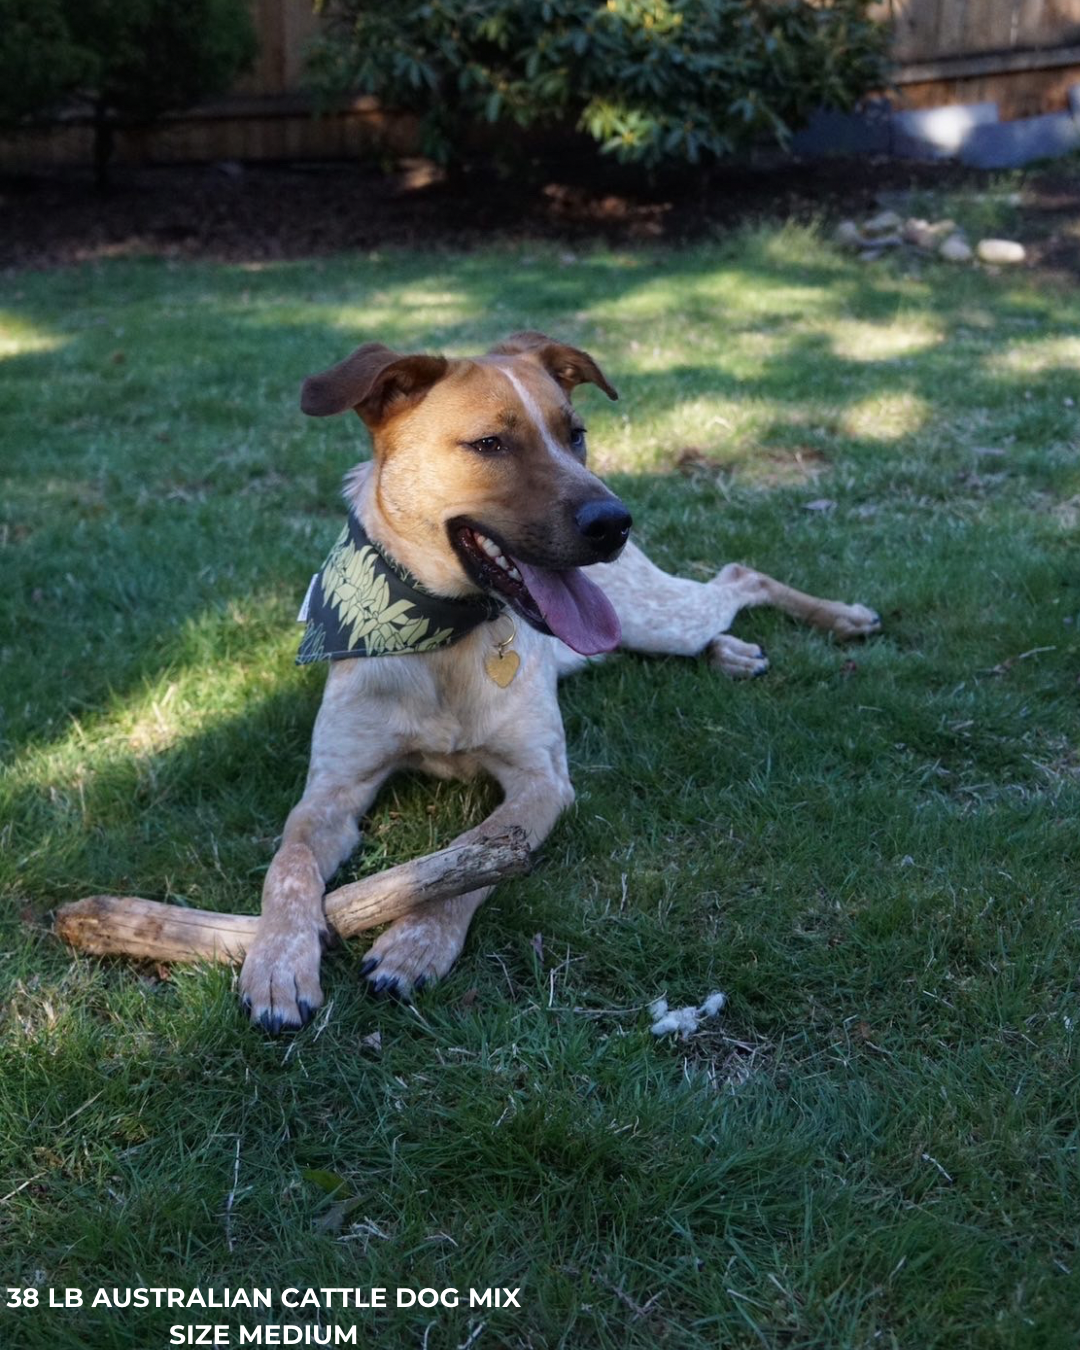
[444, 704]
[456, 717]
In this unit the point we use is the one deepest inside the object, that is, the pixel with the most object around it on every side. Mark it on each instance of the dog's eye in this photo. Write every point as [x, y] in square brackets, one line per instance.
[577, 438]
[488, 445]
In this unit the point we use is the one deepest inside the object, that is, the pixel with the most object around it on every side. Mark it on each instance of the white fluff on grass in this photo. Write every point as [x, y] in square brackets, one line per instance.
[683, 1020]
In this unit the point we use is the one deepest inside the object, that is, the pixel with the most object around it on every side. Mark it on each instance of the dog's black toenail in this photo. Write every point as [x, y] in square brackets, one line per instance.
[419, 982]
[368, 965]
[307, 1012]
[271, 1022]
[328, 939]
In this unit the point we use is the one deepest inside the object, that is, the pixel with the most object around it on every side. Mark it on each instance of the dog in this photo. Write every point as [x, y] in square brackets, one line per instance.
[483, 560]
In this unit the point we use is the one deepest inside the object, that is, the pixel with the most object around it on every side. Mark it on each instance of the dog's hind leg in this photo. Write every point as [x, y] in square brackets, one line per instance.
[831, 616]
[676, 616]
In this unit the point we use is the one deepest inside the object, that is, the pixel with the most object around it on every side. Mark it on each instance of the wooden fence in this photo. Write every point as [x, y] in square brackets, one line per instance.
[1022, 54]
[950, 30]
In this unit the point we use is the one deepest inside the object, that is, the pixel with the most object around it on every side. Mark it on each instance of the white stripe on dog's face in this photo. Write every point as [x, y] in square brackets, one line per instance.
[532, 410]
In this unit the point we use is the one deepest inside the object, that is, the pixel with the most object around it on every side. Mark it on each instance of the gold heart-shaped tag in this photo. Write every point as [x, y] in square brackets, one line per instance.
[501, 666]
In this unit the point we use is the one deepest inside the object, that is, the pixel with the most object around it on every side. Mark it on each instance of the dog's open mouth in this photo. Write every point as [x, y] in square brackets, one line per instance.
[564, 603]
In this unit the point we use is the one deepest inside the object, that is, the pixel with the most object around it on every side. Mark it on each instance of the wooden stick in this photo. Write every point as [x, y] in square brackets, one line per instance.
[124, 925]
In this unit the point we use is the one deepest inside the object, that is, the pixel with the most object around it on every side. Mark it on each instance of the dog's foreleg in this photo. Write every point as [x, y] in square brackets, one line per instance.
[279, 982]
[350, 760]
[421, 947]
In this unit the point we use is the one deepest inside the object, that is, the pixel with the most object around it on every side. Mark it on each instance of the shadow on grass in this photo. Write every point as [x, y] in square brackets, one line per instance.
[164, 503]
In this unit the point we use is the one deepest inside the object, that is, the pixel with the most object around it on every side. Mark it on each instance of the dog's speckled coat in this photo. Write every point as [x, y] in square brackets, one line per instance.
[439, 711]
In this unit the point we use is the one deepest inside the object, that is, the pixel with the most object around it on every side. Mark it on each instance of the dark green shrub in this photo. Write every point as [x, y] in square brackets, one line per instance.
[122, 62]
[39, 61]
[650, 80]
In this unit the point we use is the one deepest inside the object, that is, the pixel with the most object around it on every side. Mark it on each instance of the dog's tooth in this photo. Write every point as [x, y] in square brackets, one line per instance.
[515, 574]
[488, 545]
[503, 563]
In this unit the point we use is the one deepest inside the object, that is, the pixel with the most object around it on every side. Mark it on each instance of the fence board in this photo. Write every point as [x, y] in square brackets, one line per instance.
[936, 29]
[1020, 94]
[1048, 22]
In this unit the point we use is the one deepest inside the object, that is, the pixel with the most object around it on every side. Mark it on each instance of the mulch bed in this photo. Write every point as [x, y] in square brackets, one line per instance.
[234, 213]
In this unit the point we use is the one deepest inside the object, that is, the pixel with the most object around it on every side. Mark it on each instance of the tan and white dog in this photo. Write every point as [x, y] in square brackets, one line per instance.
[478, 486]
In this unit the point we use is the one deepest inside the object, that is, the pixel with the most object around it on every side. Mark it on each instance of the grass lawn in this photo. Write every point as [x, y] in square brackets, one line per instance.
[873, 851]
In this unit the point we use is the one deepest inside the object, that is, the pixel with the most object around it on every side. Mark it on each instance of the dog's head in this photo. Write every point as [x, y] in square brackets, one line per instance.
[481, 471]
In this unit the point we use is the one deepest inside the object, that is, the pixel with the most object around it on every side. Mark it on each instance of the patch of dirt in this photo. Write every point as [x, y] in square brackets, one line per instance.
[771, 467]
[1051, 210]
[693, 462]
[235, 213]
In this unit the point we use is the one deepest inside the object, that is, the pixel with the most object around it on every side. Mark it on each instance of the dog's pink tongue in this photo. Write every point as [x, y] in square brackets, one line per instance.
[574, 608]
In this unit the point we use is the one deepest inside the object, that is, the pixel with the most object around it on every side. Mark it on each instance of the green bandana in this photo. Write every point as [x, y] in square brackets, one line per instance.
[363, 603]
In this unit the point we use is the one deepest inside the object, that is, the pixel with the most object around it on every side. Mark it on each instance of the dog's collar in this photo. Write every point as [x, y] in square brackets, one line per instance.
[364, 603]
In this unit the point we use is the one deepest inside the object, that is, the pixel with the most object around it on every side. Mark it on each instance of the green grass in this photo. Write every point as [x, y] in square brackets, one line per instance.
[873, 851]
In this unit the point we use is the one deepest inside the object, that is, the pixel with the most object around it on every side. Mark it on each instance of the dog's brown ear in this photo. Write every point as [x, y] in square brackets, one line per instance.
[568, 366]
[526, 341]
[371, 381]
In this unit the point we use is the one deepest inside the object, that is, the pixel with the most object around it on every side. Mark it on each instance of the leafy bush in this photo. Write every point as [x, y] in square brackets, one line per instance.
[39, 61]
[650, 80]
[123, 62]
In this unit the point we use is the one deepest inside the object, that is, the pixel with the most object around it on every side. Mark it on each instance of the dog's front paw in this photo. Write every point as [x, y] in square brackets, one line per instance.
[855, 621]
[414, 951]
[740, 660]
[279, 981]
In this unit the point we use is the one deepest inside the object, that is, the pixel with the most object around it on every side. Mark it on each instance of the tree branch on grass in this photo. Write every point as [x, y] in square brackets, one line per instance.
[111, 925]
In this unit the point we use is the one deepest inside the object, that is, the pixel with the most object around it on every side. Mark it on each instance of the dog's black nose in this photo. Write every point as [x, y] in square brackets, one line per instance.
[605, 524]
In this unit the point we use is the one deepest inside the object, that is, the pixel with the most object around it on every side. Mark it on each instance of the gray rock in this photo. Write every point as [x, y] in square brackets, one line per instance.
[848, 235]
[885, 222]
[955, 249]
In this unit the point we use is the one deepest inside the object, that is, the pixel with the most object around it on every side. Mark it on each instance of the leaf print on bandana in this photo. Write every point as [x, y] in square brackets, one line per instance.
[313, 647]
[362, 603]
[360, 594]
